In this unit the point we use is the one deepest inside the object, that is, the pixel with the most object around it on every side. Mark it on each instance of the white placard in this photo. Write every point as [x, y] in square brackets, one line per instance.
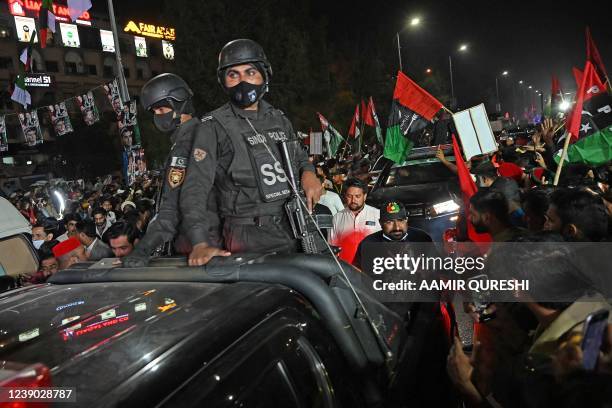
[25, 27]
[316, 143]
[141, 46]
[475, 131]
[70, 35]
[483, 129]
[108, 42]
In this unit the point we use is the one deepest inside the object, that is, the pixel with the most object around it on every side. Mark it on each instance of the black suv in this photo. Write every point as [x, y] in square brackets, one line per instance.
[424, 185]
[245, 331]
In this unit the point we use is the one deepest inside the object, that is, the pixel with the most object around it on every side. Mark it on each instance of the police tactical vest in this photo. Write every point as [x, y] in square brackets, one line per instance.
[257, 183]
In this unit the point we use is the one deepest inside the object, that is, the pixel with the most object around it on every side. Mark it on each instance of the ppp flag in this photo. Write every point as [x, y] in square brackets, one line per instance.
[370, 118]
[47, 21]
[590, 123]
[412, 109]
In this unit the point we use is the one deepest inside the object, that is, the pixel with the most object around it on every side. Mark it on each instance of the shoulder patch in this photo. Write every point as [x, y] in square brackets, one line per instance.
[199, 154]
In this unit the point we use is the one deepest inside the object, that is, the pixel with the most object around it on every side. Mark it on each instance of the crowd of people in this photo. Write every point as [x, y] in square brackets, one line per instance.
[100, 219]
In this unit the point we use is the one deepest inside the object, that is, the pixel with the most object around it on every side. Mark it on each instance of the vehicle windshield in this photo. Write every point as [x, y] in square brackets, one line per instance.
[418, 173]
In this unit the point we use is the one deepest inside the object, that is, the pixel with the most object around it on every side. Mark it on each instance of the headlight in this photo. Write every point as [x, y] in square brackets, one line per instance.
[445, 207]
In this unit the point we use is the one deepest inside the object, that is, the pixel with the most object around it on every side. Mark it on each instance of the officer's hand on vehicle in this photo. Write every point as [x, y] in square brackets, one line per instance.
[312, 189]
[201, 254]
[134, 261]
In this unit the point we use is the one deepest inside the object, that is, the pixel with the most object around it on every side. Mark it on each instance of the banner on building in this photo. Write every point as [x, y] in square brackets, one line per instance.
[112, 92]
[128, 125]
[137, 165]
[31, 128]
[60, 119]
[3, 136]
[88, 108]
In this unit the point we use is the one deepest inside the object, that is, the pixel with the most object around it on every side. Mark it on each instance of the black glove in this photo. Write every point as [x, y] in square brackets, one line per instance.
[135, 260]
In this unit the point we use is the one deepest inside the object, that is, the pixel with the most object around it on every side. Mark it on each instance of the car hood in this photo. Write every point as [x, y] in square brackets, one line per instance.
[102, 333]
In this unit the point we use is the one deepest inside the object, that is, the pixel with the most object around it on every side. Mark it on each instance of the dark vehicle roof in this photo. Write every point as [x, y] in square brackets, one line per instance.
[108, 330]
[99, 335]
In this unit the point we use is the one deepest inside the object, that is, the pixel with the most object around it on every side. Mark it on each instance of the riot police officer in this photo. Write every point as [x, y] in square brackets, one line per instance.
[169, 98]
[238, 153]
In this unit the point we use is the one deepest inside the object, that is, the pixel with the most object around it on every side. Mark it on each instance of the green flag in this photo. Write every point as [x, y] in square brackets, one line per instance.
[594, 145]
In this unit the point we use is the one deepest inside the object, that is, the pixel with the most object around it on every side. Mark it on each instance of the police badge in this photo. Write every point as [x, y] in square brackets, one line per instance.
[176, 177]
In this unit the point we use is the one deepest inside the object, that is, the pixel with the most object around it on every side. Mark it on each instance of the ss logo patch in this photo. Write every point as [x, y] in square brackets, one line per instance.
[273, 174]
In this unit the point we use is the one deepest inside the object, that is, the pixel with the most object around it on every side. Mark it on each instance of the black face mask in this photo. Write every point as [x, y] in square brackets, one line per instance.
[246, 94]
[166, 122]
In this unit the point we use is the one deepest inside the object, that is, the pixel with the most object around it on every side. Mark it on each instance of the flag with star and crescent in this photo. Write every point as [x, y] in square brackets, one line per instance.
[593, 136]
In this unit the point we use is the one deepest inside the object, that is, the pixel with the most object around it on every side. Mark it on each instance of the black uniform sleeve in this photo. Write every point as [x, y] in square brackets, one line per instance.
[199, 181]
[164, 226]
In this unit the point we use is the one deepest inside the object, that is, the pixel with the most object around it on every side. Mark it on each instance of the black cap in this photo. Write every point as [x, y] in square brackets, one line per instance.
[393, 211]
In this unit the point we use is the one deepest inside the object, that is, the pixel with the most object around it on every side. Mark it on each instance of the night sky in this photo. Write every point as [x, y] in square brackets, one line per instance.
[532, 40]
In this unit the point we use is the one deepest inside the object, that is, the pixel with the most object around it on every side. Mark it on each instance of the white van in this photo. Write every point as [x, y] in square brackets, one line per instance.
[17, 254]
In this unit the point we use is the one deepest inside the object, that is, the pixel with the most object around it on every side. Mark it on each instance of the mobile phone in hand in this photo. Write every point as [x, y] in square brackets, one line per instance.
[594, 328]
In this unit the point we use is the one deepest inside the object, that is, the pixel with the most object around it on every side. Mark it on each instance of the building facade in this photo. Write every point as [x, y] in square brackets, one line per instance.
[77, 58]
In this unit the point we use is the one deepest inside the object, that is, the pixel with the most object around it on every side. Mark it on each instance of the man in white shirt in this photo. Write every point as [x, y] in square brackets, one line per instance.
[330, 199]
[355, 222]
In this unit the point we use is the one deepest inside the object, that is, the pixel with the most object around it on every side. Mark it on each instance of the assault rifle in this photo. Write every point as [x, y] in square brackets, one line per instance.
[303, 224]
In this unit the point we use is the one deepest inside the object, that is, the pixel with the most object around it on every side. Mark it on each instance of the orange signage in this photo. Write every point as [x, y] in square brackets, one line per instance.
[150, 30]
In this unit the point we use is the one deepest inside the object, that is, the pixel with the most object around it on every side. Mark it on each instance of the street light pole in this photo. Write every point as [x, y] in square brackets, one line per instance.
[450, 69]
[123, 89]
[399, 52]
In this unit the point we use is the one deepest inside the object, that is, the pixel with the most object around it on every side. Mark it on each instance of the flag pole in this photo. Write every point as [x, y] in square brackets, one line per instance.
[123, 89]
[362, 127]
[563, 157]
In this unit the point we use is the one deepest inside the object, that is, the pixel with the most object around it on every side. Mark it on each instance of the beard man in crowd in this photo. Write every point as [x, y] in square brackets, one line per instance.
[102, 224]
[394, 224]
[356, 221]
[489, 214]
[69, 253]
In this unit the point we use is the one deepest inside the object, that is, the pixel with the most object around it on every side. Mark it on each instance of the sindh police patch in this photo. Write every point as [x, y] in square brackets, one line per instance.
[176, 177]
[199, 154]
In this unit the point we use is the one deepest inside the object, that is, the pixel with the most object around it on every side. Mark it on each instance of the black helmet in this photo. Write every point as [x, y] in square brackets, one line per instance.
[166, 87]
[243, 51]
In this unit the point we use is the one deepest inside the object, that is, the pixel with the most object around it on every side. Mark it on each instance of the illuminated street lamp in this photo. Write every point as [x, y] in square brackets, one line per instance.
[428, 71]
[414, 22]
[498, 106]
[462, 48]
[521, 82]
